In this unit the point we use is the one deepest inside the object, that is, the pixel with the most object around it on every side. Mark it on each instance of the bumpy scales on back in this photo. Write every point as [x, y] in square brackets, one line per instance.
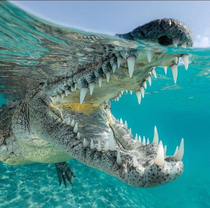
[69, 116]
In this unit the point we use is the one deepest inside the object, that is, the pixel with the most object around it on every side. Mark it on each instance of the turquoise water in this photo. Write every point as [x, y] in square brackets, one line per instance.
[178, 111]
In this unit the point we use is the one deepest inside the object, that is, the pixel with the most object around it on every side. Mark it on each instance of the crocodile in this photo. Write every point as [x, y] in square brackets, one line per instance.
[68, 116]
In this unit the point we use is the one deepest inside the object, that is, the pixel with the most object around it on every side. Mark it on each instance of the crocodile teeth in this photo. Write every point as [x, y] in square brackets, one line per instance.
[155, 139]
[59, 120]
[114, 66]
[136, 137]
[149, 55]
[142, 91]
[121, 121]
[145, 84]
[72, 123]
[138, 94]
[99, 146]
[159, 160]
[131, 92]
[174, 72]
[118, 62]
[126, 124]
[91, 85]
[75, 128]
[176, 151]
[149, 79]
[186, 61]
[154, 72]
[165, 69]
[144, 140]
[135, 162]
[100, 81]
[184, 45]
[84, 142]
[130, 130]
[107, 77]
[165, 149]
[66, 92]
[131, 63]
[119, 161]
[140, 139]
[72, 88]
[147, 140]
[78, 135]
[68, 121]
[112, 145]
[180, 152]
[83, 93]
[175, 41]
[91, 144]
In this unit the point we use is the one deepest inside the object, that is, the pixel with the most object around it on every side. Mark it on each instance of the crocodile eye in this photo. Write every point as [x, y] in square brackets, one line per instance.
[165, 40]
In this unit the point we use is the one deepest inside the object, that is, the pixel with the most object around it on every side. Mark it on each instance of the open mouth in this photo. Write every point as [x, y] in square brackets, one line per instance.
[80, 102]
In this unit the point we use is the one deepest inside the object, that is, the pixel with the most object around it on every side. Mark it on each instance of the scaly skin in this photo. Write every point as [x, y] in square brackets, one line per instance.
[53, 124]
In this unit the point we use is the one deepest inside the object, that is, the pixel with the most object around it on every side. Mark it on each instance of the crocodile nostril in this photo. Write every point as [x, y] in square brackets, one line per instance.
[164, 40]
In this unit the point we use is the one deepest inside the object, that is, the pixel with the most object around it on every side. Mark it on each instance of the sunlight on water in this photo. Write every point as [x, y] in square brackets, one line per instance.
[178, 110]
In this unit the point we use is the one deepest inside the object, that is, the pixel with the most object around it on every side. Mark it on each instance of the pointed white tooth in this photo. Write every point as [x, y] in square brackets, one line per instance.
[147, 140]
[68, 121]
[100, 81]
[184, 45]
[112, 145]
[121, 121]
[149, 55]
[159, 160]
[165, 149]
[130, 130]
[165, 69]
[135, 162]
[91, 144]
[106, 147]
[72, 88]
[186, 61]
[156, 138]
[131, 92]
[119, 161]
[136, 137]
[72, 123]
[180, 152]
[118, 98]
[99, 146]
[174, 72]
[91, 86]
[154, 72]
[118, 61]
[107, 77]
[145, 84]
[144, 140]
[78, 135]
[66, 92]
[131, 63]
[75, 128]
[62, 96]
[149, 79]
[114, 66]
[138, 94]
[84, 142]
[83, 93]
[175, 41]
[140, 139]
[176, 151]
[126, 124]
[126, 91]
[142, 91]
[75, 86]
[59, 120]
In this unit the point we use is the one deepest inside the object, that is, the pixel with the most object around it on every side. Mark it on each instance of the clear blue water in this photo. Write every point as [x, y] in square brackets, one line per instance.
[179, 111]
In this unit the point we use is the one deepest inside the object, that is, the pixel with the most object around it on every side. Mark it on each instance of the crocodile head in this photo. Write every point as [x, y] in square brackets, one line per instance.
[79, 119]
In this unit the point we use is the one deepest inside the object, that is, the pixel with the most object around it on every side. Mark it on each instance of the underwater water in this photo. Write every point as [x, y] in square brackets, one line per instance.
[178, 110]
